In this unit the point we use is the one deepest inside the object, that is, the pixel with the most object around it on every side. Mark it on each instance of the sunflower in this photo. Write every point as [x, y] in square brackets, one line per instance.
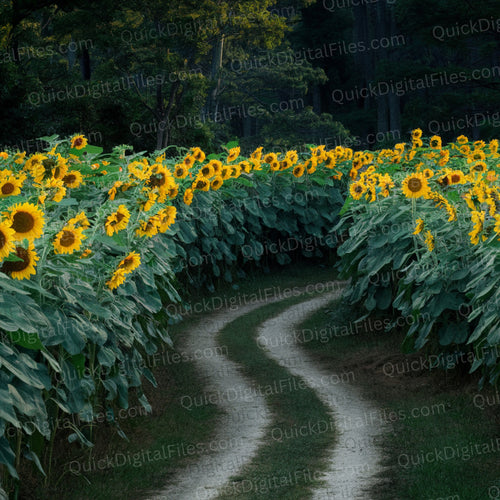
[274, 166]
[233, 154]
[6, 240]
[188, 161]
[356, 189]
[462, 139]
[493, 145]
[85, 253]
[476, 155]
[198, 155]
[245, 166]
[216, 183]
[419, 226]
[10, 186]
[298, 170]
[152, 196]
[166, 218]
[79, 220]
[78, 142]
[117, 220]
[57, 188]
[140, 169]
[160, 176]
[216, 165]
[479, 166]
[225, 172]
[310, 165]
[19, 158]
[286, 163]
[180, 171]
[27, 221]
[415, 185]
[429, 241]
[478, 219]
[428, 173]
[114, 188]
[456, 177]
[201, 184]
[4, 155]
[416, 134]
[492, 176]
[72, 179]
[417, 143]
[188, 196]
[24, 268]
[207, 171]
[330, 160]
[235, 171]
[256, 155]
[130, 262]
[68, 240]
[59, 169]
[435, 142]
[117, 279]
[148, 228]
[270, 157]
[444, 156]
[172, 192]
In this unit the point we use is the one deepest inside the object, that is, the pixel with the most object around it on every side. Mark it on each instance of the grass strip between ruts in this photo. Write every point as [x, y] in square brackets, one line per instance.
[292, 457]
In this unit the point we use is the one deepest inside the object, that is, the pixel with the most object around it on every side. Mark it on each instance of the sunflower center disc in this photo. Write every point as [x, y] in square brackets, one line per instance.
[23, 222]
[8, 188]
[18, 265]
[414, 185]
[67, 239]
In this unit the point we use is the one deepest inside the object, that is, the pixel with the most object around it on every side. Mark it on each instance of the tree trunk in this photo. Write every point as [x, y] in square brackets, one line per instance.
[85, 64]
[217, 52]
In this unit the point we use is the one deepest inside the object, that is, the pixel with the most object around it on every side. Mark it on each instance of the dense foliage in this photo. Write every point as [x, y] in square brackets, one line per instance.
[429, 248]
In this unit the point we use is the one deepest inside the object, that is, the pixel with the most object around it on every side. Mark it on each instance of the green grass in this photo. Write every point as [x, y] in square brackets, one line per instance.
[431, 412]
[289, 464]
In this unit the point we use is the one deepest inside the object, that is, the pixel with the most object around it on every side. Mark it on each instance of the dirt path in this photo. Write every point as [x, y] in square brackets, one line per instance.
[242, 425]
[355, 459]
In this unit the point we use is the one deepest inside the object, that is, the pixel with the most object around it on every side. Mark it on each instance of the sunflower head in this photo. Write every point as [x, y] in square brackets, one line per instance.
[216, 183]
[188, 196]
[27, 221]
[130, 262]
[435, 142]
[25, 266]
[416, 133]
[233, 154]
[6, 240]
[415, 185]
[72, 179]
[181, 171]
[356, 189]
[78, 142]
[68, 240]
[298, 170]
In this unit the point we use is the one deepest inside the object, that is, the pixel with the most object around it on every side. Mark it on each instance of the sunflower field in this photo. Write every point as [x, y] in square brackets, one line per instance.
[98, 253]
[94, 250]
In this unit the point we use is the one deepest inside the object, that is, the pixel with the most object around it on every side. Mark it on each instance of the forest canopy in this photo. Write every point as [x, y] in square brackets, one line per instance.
[266, 72]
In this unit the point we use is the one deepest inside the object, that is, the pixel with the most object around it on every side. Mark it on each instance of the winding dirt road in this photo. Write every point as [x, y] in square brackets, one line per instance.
[355, 458]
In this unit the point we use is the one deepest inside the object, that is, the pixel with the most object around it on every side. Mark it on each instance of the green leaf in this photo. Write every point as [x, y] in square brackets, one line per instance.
[26, 340]
[7, 457]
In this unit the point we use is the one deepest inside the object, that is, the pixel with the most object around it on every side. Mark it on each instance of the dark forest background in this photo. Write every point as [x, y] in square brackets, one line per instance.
[152, 73]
